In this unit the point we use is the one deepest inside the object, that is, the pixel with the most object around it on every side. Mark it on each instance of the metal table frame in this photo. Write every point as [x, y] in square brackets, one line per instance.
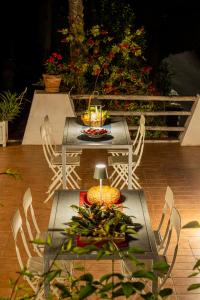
[121, 140]
[61, 212]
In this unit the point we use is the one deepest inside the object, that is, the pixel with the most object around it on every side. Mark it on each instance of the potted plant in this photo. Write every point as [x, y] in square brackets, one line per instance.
[10, 107]
[54, 67]
[98, 223]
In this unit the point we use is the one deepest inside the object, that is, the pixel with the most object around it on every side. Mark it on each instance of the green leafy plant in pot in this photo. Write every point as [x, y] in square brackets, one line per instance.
[11, 104]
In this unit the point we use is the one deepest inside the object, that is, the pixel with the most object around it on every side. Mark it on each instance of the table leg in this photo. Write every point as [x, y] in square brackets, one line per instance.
[46, 282]
[155, 285]
[130, 168]
[64, 166]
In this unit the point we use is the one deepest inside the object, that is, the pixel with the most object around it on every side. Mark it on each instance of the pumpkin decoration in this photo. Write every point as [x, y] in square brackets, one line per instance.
[108, 196]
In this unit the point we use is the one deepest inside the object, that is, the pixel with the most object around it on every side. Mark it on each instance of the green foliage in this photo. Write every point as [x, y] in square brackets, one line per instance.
[13, 173]
[192, 224]
[98, 221]
[108, 64]
[10, 105]
[114, 15]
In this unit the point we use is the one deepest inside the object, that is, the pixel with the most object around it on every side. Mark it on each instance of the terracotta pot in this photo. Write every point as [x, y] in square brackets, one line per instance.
[52, 83]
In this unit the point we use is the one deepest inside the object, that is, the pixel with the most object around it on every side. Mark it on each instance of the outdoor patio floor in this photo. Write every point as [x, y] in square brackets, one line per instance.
[162, 165]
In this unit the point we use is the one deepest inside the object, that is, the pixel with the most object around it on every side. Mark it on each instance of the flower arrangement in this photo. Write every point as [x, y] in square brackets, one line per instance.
[54, 64]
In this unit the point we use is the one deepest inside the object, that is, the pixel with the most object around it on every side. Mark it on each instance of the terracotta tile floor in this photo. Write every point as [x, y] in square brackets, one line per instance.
[162, 165]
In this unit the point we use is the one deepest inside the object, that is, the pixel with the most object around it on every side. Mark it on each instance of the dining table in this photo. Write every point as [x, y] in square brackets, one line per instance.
[133, 203]
[118, 138]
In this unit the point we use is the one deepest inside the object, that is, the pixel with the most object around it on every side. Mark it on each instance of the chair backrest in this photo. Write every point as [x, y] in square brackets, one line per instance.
[49, 132]
[140, 146]
[47, 149]
[168, 205]
[29, 211]
[17, 229]
[142, 121]
[175, 227]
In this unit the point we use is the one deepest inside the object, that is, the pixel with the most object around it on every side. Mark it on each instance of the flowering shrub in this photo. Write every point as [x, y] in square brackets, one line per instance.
[106, 64]
[54, 65]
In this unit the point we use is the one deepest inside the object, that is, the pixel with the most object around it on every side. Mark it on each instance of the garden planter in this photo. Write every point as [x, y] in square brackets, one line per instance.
[3, 133]
[52, 83]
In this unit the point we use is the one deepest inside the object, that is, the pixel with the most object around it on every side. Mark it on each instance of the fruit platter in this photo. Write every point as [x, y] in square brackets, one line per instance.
[95, 133]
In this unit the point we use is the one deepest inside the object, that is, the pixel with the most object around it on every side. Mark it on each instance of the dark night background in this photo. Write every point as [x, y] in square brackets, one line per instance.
[29, 33]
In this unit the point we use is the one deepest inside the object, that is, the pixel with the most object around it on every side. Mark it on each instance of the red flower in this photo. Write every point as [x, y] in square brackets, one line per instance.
[147, 69]
[90, 41]
[50, 60]
[111, 55]
[124, 46]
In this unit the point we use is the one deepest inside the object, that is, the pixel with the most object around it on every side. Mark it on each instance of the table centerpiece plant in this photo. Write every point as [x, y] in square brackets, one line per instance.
[96, 223]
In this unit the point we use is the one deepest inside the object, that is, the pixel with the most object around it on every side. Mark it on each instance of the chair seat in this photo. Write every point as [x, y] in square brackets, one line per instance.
[35, 265]
[70, 160]
[122, 160]
[118, 151]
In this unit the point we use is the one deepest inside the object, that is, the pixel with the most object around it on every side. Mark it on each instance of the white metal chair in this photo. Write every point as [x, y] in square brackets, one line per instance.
[119, 176]
[116, 152]
[31, 223]
[162, 226]
[57, 149]
[34, 264]
[54, 162]
[128, 267]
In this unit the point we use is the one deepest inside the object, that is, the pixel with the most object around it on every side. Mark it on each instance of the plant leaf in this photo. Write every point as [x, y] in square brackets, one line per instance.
[64, 290]
[107, 287]
[127, 288]
[192, 224]
[135, 250]
[164, 293]
[194, 286]
[193, 274]
[197, 264]
[86, 277]
[86, 291]
[144, 274]
[160, 266]
[83, 250]
[108, 276]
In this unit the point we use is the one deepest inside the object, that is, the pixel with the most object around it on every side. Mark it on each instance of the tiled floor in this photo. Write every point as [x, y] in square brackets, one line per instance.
[162, 165]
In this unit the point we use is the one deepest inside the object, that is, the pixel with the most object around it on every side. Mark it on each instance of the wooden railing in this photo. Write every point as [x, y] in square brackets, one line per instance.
[188, 104]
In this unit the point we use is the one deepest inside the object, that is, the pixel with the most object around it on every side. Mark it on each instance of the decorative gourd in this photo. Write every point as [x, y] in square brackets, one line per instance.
[110, 195]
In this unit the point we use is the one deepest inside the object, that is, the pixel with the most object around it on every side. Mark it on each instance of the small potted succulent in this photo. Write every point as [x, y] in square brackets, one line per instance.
[54, 67]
